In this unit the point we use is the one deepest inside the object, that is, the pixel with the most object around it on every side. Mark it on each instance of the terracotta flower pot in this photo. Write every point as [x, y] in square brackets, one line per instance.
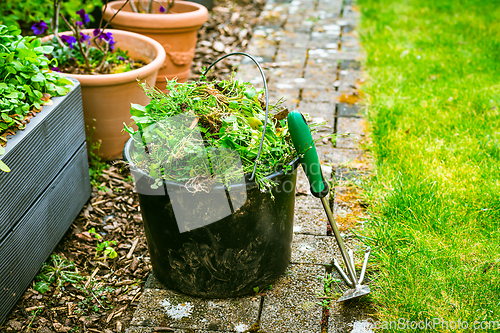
[176, 32]
[107, 97]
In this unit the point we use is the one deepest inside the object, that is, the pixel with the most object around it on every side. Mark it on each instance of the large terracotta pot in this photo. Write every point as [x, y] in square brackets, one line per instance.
[106, 98]
[176, 32]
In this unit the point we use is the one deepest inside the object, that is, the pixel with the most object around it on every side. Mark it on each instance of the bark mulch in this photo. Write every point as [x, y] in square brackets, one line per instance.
[105, 292]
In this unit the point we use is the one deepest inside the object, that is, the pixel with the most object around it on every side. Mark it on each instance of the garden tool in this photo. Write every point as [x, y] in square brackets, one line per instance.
[304, 145]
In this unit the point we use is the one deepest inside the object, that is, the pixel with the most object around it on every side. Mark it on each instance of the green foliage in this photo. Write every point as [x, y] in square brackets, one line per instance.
[23, 14]
[96, 165]
[100, 60]
[95, 299]
[434, 108]
[25, 77]
[331, 289]
[230, 116]
[103, 247]
[58, 271]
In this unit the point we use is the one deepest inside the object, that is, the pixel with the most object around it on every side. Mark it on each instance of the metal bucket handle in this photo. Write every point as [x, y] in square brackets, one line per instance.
[267, 100]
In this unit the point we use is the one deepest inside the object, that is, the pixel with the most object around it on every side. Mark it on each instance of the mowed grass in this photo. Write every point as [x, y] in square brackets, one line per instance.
[433, 96]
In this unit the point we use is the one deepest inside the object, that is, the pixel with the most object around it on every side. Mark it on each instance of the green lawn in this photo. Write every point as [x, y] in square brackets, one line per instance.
[433, 96]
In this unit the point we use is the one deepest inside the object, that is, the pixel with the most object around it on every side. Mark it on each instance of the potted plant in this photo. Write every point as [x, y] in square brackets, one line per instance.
[173, 25]
[216, 186]
[108, 64]
[44, 177]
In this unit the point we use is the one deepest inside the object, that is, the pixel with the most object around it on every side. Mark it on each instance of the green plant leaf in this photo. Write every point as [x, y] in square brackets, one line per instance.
[42, 286]
[4, 167]
[137, 110]
[38, 78]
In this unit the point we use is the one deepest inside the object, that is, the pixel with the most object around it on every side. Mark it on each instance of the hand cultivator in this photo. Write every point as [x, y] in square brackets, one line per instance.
[304, 145]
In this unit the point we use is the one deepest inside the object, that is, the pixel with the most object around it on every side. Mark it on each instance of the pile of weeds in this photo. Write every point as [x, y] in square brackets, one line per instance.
[205, 132]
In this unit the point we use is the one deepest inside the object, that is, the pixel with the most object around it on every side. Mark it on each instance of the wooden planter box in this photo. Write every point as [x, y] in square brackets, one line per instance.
[43, 194]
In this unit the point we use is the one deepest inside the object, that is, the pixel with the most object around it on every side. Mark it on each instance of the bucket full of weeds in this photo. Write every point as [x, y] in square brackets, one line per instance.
[215, 173]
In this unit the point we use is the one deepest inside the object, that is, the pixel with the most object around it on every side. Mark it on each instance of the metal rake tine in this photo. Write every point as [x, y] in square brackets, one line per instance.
[342, 274]
[351, 259]
[365, 263]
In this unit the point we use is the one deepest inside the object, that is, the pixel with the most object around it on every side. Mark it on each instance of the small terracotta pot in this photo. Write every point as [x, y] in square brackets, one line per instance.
[176, 32]
[107, 97]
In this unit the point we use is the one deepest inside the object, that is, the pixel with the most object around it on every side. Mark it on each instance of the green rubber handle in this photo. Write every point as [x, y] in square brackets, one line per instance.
[304, 145]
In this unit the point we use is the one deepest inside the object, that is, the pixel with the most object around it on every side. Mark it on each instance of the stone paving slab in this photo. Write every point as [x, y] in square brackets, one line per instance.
[328, 95]
[342, 156]
[348, 110]
[351, 131]
[311, 249]
[139, 329]
[165, 308]
[310, 221]
[291, 305]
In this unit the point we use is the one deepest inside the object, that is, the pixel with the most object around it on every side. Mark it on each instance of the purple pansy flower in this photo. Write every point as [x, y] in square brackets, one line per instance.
[84, 38]
[55, 69]
[85, 17]
[39, 28]
[162, 9]
[120, 58]
[70, 40]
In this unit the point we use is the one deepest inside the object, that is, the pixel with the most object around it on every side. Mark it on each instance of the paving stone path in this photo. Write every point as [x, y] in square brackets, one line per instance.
[310, 54]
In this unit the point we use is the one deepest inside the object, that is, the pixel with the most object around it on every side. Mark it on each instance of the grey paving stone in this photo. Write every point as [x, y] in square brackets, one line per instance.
[275, 15]
[139, 329]
[290, 95]
[160, 307]
[320, 78]
[250, 73]
[351, 130]
[329, 95]
[350, 44]
[351, 316]
[307, 202]
[350, 12]
[310, 221]
[333, 6]
[262, 47]
[350, 64]
[348, 110]
[293, 40]
[291, 306]
[323, 40]
[319, 112]
[343, 157]
[291, 75]
[310, 249]
[292, 55]
[349, 78]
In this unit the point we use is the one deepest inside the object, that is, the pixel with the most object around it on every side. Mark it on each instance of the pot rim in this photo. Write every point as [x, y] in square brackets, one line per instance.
[195, 18]
[120, 78]
[126, 156]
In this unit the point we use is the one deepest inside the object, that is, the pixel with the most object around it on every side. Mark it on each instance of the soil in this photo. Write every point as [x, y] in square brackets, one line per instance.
[106, 298]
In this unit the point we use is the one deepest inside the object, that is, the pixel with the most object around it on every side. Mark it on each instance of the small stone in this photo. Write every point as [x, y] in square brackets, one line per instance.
[218, 46]
[118, 326]
[15, 325]
[44, 330]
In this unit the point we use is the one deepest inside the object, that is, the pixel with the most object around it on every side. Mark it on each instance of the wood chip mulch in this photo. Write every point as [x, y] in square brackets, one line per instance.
[106, 298]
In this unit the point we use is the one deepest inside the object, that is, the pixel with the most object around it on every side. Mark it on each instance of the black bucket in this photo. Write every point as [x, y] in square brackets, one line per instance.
[249, 248]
